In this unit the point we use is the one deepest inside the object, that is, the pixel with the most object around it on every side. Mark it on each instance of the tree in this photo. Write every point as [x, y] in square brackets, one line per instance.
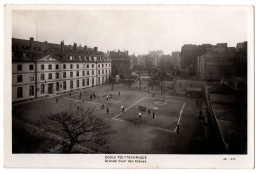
[78, 126]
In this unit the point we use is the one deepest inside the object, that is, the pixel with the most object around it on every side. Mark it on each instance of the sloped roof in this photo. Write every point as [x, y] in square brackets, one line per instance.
[222, 89]
[49, 58]
[114, 54]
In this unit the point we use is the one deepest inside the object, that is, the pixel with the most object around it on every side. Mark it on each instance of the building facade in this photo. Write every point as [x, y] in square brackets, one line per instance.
[176, 58]
[40, 69]
[120, 63]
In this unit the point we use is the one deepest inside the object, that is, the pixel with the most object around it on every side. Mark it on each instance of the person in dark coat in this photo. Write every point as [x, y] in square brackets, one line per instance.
[149, 112]
[153, 115]
[200, 115]
[107, 110]
[119, 93]
[178, 129]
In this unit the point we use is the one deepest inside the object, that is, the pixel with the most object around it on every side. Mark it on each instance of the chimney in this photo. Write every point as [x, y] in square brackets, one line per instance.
[95, 49]
[31, 42]
[127, 52]
[85, 48]
[75, 47]
[62, 45]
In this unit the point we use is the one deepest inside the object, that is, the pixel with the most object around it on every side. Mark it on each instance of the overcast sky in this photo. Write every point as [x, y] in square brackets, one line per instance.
[139, 31]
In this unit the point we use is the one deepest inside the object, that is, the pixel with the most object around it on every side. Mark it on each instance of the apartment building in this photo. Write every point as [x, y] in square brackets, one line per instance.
[40, 69]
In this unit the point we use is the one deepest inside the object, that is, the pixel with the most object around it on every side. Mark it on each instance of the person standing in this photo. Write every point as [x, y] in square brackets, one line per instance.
[107, 110]
[140, 115]
[149, 112]
[153, 115]
[178, 129]
[119, 93]
[107, 97]
[200, 115]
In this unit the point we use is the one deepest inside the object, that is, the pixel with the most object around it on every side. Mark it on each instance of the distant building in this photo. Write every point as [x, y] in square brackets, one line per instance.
[121, 62]
[217, 63]
[241, 54]
[40, 68]
[176, 58]
[189, 54]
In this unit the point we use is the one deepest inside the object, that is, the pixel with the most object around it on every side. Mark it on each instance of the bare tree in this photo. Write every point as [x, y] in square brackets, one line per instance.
[78, 126]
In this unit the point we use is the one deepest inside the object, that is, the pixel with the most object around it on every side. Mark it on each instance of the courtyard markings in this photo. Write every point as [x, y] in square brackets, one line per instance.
[128, 108]
[119, 100]
[117, 119]
[178, 123]
[167, 130]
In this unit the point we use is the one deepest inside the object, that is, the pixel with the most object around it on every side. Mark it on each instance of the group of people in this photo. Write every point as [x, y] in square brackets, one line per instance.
[149, 113]
[92, 95]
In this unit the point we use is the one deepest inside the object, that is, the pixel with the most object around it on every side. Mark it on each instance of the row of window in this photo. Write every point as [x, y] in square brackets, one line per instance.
[57, 86]
[20, 91]
[57, 75]
[31, 67]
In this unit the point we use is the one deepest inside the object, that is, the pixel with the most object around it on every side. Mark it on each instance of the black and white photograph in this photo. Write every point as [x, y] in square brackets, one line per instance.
[130, 86]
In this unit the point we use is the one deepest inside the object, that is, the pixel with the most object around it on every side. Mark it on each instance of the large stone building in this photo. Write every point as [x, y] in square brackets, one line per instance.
[120, 62]
[217, 63]
[189, 55]
[40, 68]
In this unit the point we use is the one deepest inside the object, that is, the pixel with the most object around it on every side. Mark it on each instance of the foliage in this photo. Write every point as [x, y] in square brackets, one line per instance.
[78, 126]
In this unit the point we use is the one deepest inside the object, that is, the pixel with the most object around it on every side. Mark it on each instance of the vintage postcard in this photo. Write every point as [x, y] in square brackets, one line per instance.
[129, 86]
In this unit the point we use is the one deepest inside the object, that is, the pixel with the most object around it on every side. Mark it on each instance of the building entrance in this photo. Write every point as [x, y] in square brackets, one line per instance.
[50, 88]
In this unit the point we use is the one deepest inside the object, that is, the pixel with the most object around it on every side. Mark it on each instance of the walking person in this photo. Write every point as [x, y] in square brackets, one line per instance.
[149, 112]
[178, 129]
[107, 110]
[200, 115]
[153, 115]
[119, 93]
[107, 97]
[140, 115]
[102, 106]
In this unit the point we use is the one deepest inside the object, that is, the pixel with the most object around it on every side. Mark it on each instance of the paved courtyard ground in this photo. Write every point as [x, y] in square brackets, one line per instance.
[131, 134]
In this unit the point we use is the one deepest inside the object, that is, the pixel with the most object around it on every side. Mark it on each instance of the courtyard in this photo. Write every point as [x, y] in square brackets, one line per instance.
[153, 133]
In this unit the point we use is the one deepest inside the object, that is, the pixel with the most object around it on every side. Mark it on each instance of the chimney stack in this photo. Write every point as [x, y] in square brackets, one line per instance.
[85, 48]
[31, 42]
[75, 47]
[62, 45]
[95, 49]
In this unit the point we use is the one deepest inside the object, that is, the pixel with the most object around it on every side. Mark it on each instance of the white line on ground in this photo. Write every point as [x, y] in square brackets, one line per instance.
[178, 123]
[120, 100]
[165, 99]
[164, 129]
[82, 101]
[128, 108]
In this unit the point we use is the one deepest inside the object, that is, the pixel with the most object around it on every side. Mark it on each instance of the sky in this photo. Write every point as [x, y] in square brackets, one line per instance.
[137, 30]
